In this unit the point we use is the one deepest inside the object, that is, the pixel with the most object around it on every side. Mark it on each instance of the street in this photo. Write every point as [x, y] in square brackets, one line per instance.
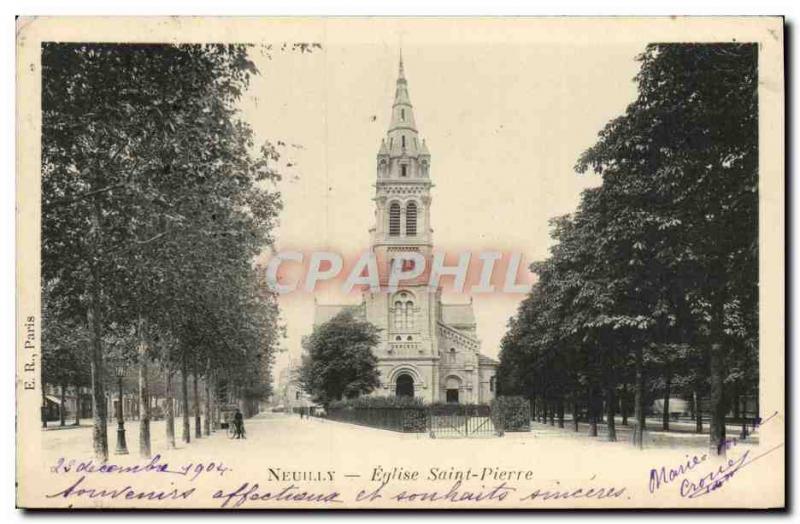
[317, 454]
[318, 442]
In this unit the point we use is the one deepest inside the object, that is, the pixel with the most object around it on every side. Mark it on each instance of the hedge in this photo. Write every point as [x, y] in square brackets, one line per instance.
[511, 413]
[405, 414]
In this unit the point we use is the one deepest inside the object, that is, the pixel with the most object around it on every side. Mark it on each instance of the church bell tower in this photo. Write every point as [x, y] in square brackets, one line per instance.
[403, 184]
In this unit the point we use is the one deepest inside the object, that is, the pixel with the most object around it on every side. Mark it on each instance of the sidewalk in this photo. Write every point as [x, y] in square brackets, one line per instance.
[654, 436]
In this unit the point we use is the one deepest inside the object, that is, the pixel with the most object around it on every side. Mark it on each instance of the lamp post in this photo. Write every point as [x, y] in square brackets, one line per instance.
[122, 447]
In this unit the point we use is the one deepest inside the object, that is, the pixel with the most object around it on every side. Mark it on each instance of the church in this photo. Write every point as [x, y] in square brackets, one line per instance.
[428, 349]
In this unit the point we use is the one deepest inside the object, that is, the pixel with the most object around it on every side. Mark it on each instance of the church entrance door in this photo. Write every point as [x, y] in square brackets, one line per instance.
[452, 396]
[404, 386]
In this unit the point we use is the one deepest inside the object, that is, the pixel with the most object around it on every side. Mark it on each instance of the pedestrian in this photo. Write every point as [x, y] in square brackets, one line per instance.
[238, 424]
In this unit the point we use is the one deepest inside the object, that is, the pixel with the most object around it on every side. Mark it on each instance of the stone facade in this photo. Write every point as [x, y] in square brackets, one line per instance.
[428, 349]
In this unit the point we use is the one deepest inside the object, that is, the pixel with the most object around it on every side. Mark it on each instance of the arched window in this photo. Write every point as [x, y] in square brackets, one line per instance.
[403, 170]
[452, 354]
[403, 311]
[403, 115]
[398, 317]
[394, 219]
[411, 219]
[409, 315]
[403, 140]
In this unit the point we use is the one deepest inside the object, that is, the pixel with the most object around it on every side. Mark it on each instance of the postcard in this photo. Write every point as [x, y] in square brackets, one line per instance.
[400, 263]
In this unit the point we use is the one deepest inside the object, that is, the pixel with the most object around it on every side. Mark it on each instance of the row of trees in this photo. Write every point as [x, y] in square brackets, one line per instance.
[155, 202]
[653, 281]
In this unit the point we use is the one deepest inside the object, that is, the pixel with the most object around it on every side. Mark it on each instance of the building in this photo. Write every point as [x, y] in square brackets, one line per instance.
[428, 349]
[290, 395]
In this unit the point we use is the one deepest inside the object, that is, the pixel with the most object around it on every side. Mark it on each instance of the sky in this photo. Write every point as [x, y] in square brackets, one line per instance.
[505, 120]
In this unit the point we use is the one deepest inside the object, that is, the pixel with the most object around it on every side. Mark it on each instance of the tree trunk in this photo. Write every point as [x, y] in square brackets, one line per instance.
[62, 407]
[575, 413]
[743, 434]
[77, 406]
[552, 408]
[757, 415]
[611, 404]
[207, 421]
[169, 409]
[638, 401]
[99, 428]
[186, 429]
[561, 412]
[698, 413]
[592, 413]
[623, 404]
[44, 405]
[667, 393]
[144, 393]
[215, 403]
[543, 410]
[198, 431]
[717, 426]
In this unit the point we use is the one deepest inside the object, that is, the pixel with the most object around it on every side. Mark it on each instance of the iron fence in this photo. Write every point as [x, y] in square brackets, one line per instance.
[461, 421]
[438, 420]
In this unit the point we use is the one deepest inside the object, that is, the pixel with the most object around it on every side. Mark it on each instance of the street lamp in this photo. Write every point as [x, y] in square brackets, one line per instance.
[122, 447]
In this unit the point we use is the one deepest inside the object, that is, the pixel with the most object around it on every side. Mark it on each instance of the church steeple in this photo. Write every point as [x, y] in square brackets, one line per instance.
[403, 187]
[402, 110]
[402, 154]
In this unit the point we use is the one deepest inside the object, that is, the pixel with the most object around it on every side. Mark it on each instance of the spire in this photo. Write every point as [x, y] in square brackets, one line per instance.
[402, 138]
[401, 74]
[402, 110]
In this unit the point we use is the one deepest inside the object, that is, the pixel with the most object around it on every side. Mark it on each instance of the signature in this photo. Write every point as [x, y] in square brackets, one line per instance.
[708, 482]
[716, 479]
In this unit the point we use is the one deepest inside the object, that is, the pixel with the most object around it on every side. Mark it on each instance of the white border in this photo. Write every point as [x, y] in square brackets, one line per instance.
[323, 7]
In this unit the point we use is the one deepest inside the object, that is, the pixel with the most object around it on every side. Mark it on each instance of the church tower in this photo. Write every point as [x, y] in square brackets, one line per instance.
[407, 316]
[402, 195]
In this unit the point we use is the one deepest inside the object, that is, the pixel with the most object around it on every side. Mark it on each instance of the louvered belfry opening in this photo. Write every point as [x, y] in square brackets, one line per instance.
[394, 219]
[411, 219]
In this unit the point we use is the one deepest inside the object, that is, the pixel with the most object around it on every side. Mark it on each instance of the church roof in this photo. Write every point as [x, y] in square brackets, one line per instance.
[424, 149]
[383, 150]
[458, 315]
[483, 360]
[325, 312]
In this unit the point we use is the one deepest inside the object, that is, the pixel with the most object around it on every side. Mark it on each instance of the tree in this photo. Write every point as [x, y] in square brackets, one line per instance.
[687, 150]
[339, 361]
[154, 202]
[633, 277]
